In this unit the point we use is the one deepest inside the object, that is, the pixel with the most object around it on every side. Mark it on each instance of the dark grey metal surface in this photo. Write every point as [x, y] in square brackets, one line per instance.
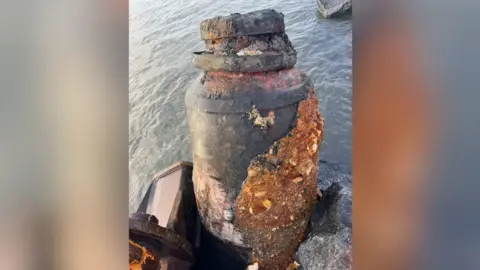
[242, 103]
[226, 143]
[265, 21]
[244, 63]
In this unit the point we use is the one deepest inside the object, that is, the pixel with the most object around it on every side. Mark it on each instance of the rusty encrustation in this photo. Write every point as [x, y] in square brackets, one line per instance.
[279, 194]
[140, 257]
[152, 246]
[256, 131]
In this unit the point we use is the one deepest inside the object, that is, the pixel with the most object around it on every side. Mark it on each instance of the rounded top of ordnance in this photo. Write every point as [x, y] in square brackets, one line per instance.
[266, 21]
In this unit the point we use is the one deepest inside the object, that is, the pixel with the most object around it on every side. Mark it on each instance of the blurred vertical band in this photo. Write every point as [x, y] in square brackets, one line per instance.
[64, 137]
[392, 134]
[416, 133]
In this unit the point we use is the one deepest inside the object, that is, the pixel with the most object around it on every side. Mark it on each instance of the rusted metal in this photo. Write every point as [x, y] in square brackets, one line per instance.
[141, 257]
[265, 21]
[165, 222]
[152, 246]
[256, 132]
[279, 194]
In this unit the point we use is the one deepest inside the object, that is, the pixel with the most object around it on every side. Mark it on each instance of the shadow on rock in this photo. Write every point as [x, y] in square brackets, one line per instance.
[328, 246]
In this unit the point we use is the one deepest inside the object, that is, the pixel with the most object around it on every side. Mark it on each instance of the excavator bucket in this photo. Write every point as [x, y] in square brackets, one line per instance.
[164, 230]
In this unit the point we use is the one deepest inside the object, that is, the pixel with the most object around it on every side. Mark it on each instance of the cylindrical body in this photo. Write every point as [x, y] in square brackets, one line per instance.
[246, 115]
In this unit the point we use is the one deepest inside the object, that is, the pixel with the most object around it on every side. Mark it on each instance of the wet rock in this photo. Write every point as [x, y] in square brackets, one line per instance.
[333, 212]
[326, 251]
[330, 8]
[330, 173]
[328, 246]
[341, 210]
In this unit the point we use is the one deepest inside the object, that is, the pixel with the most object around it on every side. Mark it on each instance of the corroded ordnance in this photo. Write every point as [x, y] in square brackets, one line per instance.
[256, 132]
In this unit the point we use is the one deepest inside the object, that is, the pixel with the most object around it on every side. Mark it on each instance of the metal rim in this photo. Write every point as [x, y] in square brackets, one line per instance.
[245, 102]
[162, 235]
[245, 63]
[173, 168]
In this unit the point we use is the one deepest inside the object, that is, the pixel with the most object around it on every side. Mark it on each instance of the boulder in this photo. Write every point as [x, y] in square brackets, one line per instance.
[333, 212]
[330, 8]
[330, 173]
[334, 209]
[326, 251]
[329, 243]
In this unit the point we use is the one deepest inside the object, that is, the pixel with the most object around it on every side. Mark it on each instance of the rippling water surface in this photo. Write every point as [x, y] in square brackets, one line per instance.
[162, 36]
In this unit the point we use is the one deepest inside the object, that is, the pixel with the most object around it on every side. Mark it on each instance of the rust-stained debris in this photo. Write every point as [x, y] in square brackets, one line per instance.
[260, 193]
[293, 266]
[139, 256]
[252, 172]
[253, 266]
[267, 203]
[286, 178]
[298, 179]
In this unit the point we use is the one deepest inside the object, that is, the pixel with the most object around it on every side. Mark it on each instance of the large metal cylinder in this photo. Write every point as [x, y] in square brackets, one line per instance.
[256, 131]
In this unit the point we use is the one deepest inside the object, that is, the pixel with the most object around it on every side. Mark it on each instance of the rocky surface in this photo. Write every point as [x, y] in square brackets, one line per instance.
[326, 251]
[334, 211]
[328, 246]
[330, 8]
[329, 173]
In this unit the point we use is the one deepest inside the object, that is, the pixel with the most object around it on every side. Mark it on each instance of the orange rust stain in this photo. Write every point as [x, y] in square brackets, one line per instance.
[274, 224]
[146, 254]
[293, 266]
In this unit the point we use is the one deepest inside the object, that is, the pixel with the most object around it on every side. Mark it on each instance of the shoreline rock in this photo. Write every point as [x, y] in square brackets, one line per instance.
[326, 251]
[330, 173]
[329, 243]
[331, 8]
